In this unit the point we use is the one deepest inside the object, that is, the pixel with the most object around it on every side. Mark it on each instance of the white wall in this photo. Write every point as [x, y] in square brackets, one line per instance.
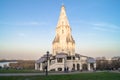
[3, 64]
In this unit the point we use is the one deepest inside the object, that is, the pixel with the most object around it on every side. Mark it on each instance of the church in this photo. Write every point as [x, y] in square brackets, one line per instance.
[63, 55]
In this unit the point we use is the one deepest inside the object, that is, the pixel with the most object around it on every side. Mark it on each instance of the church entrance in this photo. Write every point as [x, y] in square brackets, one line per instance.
[92, 66]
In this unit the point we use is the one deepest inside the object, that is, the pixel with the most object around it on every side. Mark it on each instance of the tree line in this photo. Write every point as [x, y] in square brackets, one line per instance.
[105, 64]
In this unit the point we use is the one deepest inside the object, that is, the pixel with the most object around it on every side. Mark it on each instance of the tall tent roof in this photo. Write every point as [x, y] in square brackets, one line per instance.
[63, 17]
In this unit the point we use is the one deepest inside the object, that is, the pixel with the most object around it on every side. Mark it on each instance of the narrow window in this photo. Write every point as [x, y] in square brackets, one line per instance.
[62, 31]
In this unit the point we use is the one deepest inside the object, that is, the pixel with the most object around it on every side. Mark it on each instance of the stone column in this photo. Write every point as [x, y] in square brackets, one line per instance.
[75, 66]
[56, 69]
[63, 61]
[72, 63]
[88, 66]
[55, 63]
[94, 66]
[36, 66]
[56, 60]
[62, 68]
[80, 66]
[41, 67]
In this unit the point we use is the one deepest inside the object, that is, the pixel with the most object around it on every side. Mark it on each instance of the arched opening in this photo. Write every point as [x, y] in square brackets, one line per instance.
[59, 60]
[59, 69]
[62, 31]
[91, 66]
[78, 67]
[39, 65]
[84, 67]
[73, 67]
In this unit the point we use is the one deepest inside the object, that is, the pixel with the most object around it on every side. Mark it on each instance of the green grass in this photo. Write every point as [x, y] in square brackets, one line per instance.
[80, 76]
[18, 71]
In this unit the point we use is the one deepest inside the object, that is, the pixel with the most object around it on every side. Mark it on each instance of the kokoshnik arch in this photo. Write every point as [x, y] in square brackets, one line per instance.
[63, 55]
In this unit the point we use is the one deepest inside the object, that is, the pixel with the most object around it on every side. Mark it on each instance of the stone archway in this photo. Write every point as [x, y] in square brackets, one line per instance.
[84, 67]
[91, 66]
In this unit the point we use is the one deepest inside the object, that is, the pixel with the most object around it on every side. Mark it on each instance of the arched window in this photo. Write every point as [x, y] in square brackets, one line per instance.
[62, 31]
[59, 60]
[62, 23]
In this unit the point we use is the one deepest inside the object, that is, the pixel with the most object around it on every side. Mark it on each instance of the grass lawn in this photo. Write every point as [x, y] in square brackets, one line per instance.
[18, 71]
[80, 76]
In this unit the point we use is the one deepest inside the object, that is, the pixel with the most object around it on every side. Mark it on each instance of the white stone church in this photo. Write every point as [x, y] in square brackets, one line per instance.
[63, 51]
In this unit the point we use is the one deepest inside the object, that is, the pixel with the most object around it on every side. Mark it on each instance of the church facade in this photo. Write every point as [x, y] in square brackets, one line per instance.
[63, 55]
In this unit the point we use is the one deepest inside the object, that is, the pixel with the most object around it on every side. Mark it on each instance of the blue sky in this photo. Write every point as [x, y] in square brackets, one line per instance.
[27, 27]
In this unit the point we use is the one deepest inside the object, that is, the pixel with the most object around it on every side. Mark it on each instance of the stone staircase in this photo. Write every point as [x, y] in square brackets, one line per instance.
[55, 66]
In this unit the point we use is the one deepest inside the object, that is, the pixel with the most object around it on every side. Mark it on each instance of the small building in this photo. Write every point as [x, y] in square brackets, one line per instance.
[6, 63]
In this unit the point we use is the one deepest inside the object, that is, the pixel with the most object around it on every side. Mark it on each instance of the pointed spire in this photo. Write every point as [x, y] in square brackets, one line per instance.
[63, 17]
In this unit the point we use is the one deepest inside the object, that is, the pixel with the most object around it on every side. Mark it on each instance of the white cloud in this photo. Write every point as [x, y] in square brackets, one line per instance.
[100, 29]
[106, 27]
[99, 26]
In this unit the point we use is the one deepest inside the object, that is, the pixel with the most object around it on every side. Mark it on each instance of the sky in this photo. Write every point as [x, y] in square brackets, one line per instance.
[27, 27]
